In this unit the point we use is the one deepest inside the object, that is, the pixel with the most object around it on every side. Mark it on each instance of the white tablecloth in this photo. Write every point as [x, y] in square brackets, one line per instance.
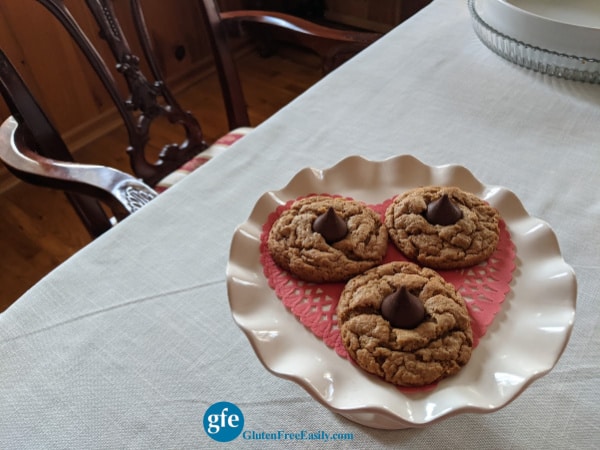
[129, 342]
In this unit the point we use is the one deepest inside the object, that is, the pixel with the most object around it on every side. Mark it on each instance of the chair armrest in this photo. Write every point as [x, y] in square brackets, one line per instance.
[330, 43]
[121, 192]
[299, 25]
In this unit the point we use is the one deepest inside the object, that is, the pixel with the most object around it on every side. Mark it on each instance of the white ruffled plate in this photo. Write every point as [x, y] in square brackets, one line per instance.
[540, 305]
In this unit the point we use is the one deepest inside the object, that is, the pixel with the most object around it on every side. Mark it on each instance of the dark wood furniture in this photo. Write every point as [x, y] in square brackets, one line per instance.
[34, 151]
[144, 98]
[377, 15]
[121, 192]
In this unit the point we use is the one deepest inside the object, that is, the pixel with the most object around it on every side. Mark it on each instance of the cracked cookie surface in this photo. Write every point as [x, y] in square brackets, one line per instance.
[469, 241]
[437, 348]
[296, 247]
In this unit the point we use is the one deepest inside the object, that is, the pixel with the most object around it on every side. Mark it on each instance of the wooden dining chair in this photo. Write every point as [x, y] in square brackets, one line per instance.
[35, 152]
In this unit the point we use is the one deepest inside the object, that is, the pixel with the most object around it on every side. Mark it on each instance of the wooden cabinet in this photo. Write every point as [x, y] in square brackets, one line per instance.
[376, 15]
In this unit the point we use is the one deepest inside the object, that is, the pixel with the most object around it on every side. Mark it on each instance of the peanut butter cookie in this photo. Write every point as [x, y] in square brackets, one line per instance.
[443, 227]
[327, 239]
[434, 346]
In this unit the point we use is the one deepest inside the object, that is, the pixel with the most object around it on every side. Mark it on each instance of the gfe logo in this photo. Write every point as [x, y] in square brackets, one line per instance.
[223, 421]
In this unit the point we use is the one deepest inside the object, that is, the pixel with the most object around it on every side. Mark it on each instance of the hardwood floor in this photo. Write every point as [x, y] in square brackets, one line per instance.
[39, 230]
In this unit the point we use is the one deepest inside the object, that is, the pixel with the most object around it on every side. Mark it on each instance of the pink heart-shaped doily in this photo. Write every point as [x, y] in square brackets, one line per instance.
[484, 286]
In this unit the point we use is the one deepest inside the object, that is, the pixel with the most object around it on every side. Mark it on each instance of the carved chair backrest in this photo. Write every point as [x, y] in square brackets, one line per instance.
[148, 94]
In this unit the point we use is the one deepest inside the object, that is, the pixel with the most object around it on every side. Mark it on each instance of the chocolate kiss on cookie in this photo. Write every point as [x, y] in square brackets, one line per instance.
[331, 226]
[402, 309]
[443, 211]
